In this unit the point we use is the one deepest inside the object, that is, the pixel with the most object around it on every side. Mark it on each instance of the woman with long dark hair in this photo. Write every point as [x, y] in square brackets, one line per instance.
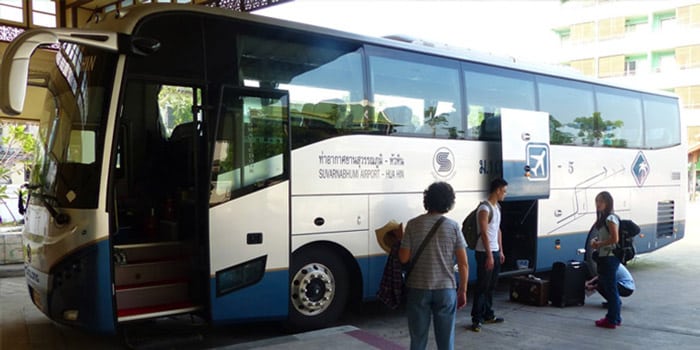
[606, 225]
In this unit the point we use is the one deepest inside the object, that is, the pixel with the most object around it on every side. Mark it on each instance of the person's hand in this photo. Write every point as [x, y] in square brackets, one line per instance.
[461, 300]
[489, 261]
[594, 243]
[503, 257]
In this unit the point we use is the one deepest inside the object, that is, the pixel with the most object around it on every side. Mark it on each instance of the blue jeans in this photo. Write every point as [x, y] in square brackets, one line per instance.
[486, 281]
[441, 305]
[607, 268]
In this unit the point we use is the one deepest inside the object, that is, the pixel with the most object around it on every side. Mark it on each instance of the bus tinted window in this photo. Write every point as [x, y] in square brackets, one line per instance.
[618, 121]
[488, 90]
[415, 98]
[661, 124]
[569, 104]
[324, 80]
[250, 144]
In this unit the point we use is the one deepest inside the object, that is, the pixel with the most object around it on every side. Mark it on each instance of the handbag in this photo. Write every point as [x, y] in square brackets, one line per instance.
[391, 286]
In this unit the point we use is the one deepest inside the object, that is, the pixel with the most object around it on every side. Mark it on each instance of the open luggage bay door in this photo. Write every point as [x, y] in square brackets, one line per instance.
[525, 153]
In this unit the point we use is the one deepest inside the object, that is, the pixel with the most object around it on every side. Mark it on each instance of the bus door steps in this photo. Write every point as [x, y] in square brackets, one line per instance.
[150, 272]
[152, 295]
[152, 279]
[141, 313]
[125, 254]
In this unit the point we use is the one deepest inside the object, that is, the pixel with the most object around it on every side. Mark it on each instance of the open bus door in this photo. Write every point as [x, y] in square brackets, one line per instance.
[526, 168]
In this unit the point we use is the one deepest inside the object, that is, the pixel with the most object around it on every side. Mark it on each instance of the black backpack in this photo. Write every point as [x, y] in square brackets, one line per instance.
[469, 229]
[624, 249]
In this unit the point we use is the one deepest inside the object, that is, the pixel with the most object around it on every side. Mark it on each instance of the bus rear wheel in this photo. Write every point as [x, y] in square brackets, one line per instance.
[318, 289]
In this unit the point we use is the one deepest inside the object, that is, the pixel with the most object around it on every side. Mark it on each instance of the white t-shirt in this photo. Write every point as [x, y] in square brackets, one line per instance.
[493, 228]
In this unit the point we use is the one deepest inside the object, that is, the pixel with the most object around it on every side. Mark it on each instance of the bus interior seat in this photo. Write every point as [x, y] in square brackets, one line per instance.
[401, 118]
[330, 110]
[356, 118]
[181, 153]
[490, 129]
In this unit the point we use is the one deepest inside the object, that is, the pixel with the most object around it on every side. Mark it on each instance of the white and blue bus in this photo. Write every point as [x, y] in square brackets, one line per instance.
[198, 160]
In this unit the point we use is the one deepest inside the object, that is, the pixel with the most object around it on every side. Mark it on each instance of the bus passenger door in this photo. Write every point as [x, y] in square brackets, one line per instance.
[249, 206]
[526, 168]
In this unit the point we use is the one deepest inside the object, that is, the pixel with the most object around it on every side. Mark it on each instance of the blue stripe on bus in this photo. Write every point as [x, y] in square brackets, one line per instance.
[265, 300]
[547, 253]
[272, 292]
[104, 319]
[87, 289]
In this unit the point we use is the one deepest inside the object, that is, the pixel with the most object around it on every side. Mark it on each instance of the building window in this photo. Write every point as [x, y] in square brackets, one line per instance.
[664, 61]
[688, 56]
[43, 13]
[664, 21]
[636, 24]
[564, 37]
[11, 10]
[636, 64]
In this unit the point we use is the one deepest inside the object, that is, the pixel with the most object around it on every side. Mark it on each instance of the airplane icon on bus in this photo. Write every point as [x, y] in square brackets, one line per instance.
[537, 158]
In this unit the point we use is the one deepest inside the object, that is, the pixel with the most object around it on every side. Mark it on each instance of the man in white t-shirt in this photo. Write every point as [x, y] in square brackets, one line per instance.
[489, 255]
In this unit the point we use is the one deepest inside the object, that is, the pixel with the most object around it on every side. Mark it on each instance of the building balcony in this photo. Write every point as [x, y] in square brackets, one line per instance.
[660, 79]
[631, 44]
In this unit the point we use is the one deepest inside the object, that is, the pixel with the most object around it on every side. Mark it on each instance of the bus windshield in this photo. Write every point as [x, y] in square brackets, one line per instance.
[71, 124]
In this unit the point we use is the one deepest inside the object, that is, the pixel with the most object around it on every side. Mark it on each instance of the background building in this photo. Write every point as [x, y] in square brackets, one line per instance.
[645, 44]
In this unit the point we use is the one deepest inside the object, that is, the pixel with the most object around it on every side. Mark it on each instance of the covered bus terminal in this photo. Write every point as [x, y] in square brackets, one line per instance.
[663, 313]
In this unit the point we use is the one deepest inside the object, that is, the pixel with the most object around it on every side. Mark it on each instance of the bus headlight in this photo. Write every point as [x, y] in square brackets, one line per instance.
[70, 315]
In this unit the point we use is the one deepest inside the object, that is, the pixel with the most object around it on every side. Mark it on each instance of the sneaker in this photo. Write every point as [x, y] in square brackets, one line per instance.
[475, 327]
[494, 320]
[604, 323]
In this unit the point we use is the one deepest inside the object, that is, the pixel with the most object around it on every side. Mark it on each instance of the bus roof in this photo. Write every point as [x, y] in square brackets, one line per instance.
[129, 18]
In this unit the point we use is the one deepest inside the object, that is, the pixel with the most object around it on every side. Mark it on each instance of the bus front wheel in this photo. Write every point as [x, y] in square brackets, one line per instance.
[318, 289]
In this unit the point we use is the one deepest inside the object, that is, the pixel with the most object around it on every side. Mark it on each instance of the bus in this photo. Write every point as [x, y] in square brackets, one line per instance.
[234, 167]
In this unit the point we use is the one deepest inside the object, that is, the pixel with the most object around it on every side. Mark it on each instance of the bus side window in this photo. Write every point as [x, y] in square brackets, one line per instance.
[660, 130]
[489, 89]
[415, 96]
[619, 117]
[321, 75]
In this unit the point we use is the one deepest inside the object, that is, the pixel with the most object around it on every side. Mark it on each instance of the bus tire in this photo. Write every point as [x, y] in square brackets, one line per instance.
[318, 289]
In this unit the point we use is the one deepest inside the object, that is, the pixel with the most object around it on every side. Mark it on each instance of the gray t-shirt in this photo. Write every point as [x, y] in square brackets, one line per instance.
[604, 235]
[434, 269]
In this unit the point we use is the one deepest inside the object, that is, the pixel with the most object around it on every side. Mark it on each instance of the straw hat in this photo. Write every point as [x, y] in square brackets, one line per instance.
[389, 234]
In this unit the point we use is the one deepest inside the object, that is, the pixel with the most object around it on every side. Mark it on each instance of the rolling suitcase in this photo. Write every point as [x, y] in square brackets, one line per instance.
[567, 283]
[532, 291]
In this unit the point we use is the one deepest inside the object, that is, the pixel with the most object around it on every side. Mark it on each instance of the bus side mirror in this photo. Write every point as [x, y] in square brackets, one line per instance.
[14, 69]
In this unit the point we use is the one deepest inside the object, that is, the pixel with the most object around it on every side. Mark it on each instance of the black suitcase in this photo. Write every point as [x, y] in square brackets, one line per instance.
[567, 283]
[532, 291]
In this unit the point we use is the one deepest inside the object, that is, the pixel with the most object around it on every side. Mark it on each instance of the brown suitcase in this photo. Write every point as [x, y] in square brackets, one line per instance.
[532, 291]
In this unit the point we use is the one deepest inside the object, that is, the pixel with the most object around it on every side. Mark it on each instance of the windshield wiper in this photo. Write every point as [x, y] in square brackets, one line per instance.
[59, 218]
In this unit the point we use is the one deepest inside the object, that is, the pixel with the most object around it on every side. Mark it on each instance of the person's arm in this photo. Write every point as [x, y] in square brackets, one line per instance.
[483, 217]
[614, 234]
[404, 255]
[500, 246]
[463, 268]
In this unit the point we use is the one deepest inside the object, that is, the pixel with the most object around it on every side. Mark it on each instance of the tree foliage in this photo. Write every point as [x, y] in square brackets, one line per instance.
[15, 148]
